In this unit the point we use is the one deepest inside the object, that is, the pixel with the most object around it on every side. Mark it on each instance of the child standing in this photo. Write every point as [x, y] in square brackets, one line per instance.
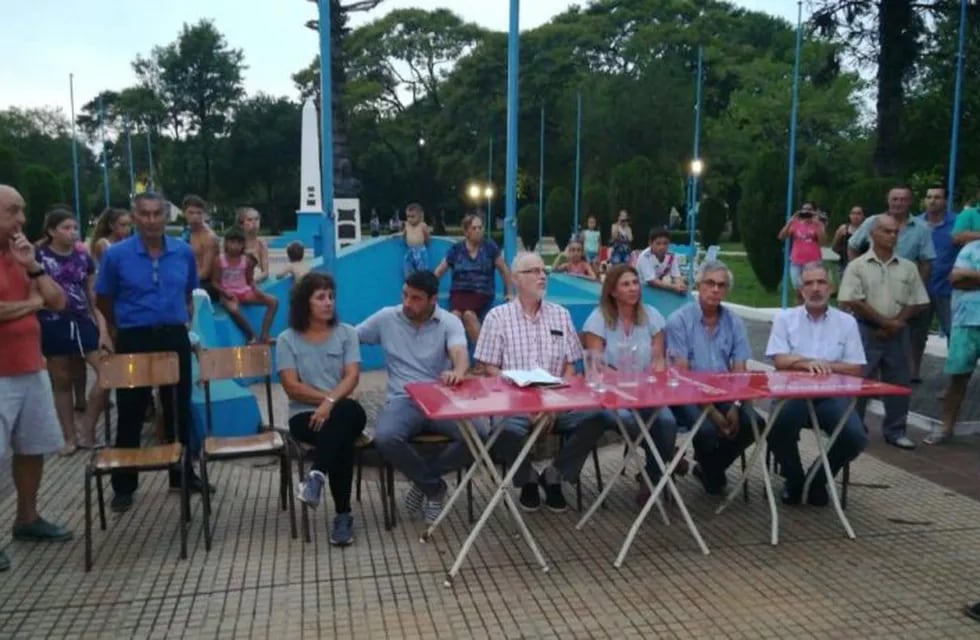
[592, 240]
[417, 235]
[621, 239]
[233, 277]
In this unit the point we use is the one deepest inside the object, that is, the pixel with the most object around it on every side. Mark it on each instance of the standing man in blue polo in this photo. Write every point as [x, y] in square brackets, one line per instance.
[941, 221]
[144, 291]
[422, 343]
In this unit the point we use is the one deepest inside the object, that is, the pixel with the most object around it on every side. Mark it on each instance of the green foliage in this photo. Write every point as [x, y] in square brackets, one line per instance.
[712, 215]
[595, 201]
[9, 169]
[559, 212]
[761, 216]
[527, 225]
[870, 194]
[645, 192]
[40, 188]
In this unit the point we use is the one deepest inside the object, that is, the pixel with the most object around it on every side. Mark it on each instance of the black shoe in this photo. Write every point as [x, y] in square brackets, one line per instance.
[530, 497]
[818, 496]
[194, 484]
[554, 499]
[121, 502]
[792, 493]
[714, 483]
[973, 611]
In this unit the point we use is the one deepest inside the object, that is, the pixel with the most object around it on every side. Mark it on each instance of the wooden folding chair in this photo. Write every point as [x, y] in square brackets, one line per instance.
[237, 363]
[134, 371]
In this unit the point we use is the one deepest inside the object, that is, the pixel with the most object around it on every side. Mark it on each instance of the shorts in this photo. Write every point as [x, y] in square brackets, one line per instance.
[591, 256]
[65, 336]
[475, 301]
[245, 295]
[28, 423]
[416, 259]
[964, 351]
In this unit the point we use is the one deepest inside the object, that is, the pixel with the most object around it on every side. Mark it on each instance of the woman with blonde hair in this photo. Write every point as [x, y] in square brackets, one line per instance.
[623, 324]
[111, 226]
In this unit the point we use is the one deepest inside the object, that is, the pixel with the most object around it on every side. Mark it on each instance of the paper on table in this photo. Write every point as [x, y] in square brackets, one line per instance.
[532, 377]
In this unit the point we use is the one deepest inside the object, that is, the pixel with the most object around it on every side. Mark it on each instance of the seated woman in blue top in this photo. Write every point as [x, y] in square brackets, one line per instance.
[319, 367]
[473, 261]
[622, 319]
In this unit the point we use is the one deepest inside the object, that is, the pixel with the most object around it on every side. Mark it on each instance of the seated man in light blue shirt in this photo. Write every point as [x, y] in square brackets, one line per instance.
[422, 343]
[817, 338]
[705, 336]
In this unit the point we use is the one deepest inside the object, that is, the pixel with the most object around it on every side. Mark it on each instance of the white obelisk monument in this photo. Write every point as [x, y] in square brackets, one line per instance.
[310, 197]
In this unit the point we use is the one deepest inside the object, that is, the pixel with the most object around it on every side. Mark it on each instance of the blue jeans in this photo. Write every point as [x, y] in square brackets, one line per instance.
[795, 415]
[584, 427]
[712, 451]
[663, 431]
[401, 420]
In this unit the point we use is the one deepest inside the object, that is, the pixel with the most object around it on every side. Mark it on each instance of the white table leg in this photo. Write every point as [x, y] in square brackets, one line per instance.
[759, 453]
[825, 462]
[465, 429]
[631, 451]
[665, 481]
[501, 493]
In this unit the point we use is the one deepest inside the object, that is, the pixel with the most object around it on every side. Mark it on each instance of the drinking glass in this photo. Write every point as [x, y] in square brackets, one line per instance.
[627, 365]
[595, 366]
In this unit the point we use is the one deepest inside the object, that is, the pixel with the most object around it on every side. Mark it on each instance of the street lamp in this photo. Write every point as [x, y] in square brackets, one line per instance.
[474, 191]
[697, 166]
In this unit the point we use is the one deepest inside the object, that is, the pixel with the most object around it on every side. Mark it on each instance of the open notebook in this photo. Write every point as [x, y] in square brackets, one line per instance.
[531, 378]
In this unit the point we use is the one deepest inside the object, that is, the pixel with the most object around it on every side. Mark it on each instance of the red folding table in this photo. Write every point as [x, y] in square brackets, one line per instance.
[485, 397]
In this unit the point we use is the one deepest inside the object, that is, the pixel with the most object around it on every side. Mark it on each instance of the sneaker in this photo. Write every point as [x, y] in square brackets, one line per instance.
[554, 499]
[342, 531]
[414, 499]
[42, 531]
[433, 506]
[121, 502]
[4, 561]
[714, 484]
[902, 442]
[530, 497]
[971, 610]
[309, 491]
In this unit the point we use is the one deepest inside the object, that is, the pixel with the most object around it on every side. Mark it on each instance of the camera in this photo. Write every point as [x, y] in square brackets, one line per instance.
[805, 214]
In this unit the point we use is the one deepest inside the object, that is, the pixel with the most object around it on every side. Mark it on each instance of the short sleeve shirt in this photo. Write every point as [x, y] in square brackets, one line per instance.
[640, 336]
[711, 351]
[886, 286]
[914, 239]
[71, 271]
[806, 241]
[833, 337]
[967, 220]
[942, 242]
[473, 273]
[510, 339]
[21, 337]
[318, 364]
[652, 268]
[966, 304]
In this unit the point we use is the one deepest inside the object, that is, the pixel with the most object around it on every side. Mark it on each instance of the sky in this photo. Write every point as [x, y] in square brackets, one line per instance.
[96, 40]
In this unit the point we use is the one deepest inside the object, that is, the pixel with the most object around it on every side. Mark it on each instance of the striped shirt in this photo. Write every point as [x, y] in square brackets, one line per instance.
[510, 339]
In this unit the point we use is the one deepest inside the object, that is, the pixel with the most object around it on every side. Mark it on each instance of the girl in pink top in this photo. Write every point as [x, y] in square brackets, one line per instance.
[576, 264]
[232, 274]
[807, 234]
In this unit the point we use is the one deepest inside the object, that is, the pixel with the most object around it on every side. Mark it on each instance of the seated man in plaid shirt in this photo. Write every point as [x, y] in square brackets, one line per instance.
[530, 333]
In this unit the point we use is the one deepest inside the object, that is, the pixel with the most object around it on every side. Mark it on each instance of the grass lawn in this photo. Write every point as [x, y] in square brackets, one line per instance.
[747, 289]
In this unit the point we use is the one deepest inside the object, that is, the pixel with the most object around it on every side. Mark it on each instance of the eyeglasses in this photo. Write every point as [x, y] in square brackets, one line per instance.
[537, 271]
[715, 284]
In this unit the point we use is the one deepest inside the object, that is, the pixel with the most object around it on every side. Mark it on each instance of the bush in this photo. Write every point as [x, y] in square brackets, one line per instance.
[558, 211]
[595, 201]
[761, 214]
[41, 188]
[712, 215]
[527, 225]
[870, 194]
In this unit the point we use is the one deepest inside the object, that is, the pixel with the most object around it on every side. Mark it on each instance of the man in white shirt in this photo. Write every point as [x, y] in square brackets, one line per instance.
[530, 333]
[817, 338]
[658, 267]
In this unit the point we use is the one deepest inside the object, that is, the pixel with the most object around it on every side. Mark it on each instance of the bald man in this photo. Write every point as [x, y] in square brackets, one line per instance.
[28, 423]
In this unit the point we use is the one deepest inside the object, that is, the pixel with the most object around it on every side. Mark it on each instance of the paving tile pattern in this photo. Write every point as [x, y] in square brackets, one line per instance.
[912, 567]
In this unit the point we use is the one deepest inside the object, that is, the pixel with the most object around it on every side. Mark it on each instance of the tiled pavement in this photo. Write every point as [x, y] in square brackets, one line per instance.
[912, 567]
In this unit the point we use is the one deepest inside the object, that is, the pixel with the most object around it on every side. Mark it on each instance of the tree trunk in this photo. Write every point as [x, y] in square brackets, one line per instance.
[897, 49]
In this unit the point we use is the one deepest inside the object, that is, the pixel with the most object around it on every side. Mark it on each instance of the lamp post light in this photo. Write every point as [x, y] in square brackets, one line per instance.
[478, 192]
[695, 170]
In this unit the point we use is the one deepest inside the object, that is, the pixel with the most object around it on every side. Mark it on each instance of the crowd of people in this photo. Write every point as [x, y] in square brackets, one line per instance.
[133, 293]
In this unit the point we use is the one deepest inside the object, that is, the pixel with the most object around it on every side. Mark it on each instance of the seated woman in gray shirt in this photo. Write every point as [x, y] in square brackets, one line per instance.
[319, 367]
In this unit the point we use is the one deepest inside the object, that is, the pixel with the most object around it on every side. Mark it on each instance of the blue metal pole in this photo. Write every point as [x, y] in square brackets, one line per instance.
[578, 160]
[74, 156]
[327, 240]
[489, 223]
[149, 159]
[693, 179]
[513, 70]
[541, 183]
[791, 173]
[129, 151]
[105, 154]
[954, 142]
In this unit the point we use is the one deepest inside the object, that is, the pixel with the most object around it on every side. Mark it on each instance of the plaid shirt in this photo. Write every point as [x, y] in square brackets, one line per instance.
[510, 339]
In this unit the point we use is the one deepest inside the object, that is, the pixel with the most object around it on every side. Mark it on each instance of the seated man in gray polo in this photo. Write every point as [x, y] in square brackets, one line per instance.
[530, 333]
[421, 343]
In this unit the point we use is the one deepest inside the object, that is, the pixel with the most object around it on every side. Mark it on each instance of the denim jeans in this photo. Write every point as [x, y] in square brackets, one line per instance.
[712, 451]
[663, 431]
[795, 415]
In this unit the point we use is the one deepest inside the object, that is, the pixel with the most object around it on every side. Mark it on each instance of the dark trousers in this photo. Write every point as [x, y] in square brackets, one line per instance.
[714, 452]
[333, 446]
[888, 360]
[133, 403]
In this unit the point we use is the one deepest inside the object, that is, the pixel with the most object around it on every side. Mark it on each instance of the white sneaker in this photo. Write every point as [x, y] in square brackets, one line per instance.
[902, 442]
[414, 498]
[433, 506]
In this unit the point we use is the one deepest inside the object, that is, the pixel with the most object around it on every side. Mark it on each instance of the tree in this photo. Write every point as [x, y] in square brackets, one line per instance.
[761, 216]
[646, 192]
[712, 216]
[558, 213]
[527, 225]
[40, 188]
